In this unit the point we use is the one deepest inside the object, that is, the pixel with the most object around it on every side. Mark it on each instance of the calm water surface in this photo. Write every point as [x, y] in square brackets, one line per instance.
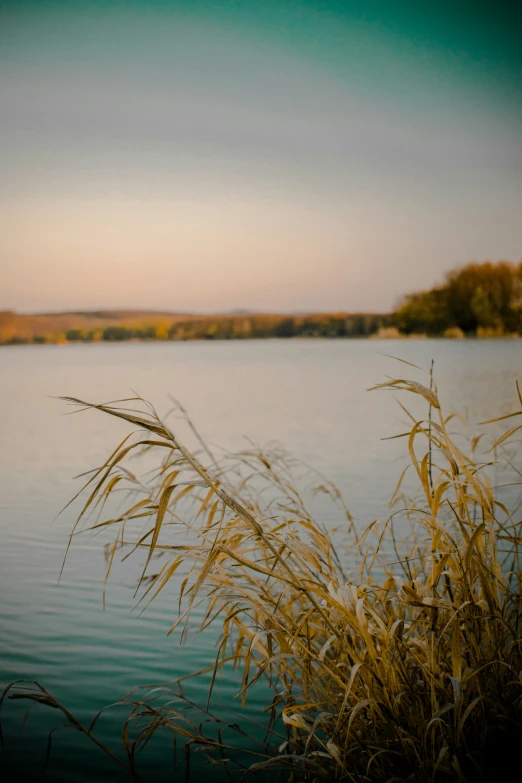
[311, 396]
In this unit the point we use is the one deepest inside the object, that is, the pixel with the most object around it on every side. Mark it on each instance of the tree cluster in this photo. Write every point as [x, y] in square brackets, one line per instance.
[482, 299]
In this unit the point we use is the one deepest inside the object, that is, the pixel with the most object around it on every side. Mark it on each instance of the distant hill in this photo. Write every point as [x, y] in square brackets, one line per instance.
[41, 323]
[117, 325]
[20, 327]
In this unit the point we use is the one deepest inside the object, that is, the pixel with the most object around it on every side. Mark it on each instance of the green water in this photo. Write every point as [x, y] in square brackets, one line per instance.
[309, 395]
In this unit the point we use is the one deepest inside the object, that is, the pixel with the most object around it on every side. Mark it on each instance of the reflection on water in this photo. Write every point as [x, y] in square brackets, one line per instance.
[311, 396]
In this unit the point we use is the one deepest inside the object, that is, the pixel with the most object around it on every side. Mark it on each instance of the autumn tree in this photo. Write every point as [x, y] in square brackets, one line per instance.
[476, 296]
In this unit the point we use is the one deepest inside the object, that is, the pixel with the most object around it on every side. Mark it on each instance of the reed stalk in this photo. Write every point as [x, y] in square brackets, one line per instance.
[388, 656]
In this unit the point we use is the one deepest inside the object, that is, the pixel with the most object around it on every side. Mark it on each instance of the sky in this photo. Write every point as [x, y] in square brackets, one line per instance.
[283, 155]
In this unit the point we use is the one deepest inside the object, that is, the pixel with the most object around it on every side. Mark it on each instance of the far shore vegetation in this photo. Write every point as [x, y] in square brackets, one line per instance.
[477, 300]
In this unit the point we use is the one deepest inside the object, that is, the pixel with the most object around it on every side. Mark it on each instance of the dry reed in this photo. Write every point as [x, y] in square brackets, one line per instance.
[394, 660]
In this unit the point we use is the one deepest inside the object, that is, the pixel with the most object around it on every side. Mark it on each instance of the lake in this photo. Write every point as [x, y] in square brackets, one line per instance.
[310, 396]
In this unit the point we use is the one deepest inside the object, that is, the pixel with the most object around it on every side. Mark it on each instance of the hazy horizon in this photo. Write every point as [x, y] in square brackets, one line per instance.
[161, 311]
[295, 156]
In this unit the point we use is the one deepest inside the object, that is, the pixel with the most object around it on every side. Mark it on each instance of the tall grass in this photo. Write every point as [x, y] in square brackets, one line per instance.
[390, 655]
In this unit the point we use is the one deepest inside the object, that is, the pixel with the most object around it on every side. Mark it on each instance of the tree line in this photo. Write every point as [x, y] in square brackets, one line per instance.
[238, 328]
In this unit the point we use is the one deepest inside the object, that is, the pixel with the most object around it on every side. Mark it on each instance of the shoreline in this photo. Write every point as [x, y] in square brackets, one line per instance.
[297, 338]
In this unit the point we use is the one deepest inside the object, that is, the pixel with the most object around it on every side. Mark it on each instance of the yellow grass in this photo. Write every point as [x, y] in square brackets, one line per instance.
[391, 656]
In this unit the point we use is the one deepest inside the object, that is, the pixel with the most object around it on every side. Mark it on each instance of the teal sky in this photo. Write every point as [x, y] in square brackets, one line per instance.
[268, 155]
